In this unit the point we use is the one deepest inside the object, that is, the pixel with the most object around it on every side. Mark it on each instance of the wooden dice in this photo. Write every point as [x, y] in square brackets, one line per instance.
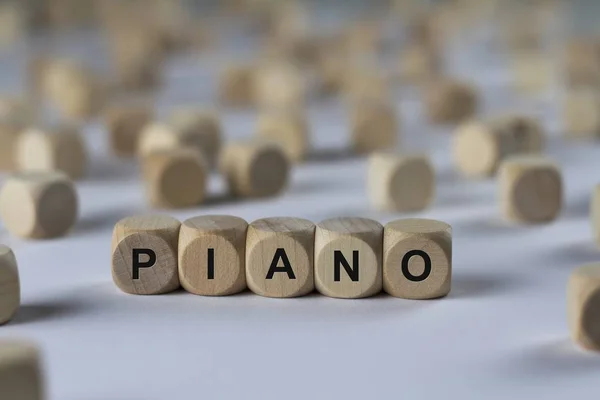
[212, 255]
[21, 374]
[38, 205]
[348, 257]
[531, 189]
[289, 128]
[581, 114]
[236, 86]
[480, 146]
[175, 178]
[374, 126]
[417, 258]
[532, 71]
[56, 148]
[583, 306]
[144, 254]
[449, 101]
[10, 288]
[125, 123]
[279, 257]
[279, 85]
[400, 183]
[582, 63]
[200, 129]
[255, 168]
[9, 133]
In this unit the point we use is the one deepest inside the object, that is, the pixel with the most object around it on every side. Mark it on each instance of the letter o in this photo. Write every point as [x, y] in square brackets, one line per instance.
[425, 258]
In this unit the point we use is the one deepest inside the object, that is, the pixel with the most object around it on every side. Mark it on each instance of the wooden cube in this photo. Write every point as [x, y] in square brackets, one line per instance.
[375, 126]
[237, 86]
[582, 63]
[255, 168]
[144, 254]
[21, 374]
[10, 289]
[125, 123]
[175, 178]
[581, 116]
[449, 101]
[9, 133]
[279, 85]
[362, 85]
[348, 257]
[56, 148]
[480, 146]
[417, 258]
[595, 213]
[532, 72]
[400, 183]
[290, 129]
[279, 257]
[531, 189]
[212, 255]
[73, 89]
[38, 205]
[200, 129]
[583, 306]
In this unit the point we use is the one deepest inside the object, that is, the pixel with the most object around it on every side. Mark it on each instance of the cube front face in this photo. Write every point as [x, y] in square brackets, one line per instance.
[280, 257]
[417, 264]
[10, 290]
[211, 265]
[347, 267]
[20, 371]
[530, 193]
[144, 263]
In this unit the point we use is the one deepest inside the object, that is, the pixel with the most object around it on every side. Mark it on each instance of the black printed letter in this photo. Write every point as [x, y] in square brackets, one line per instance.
[426, 271]
[280, 254]
[211, 263]
[137, 264]
[339, 259]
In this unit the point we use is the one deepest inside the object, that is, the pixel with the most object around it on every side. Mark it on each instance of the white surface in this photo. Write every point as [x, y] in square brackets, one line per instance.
[500, 333]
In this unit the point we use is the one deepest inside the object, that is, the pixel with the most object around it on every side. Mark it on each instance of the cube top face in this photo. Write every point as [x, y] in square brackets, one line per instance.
[283, 226]
[279, 257]
[350, 225]
[148, 223]
[215, 223]
[419, 226]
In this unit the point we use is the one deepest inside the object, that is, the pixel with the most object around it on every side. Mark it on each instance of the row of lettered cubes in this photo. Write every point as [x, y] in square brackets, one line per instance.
[283, 257]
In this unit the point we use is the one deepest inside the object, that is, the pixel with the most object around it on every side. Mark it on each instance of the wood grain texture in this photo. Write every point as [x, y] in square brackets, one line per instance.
[450, 102]
[199, 129]
[125, 123]
[357, 242]
[55, 148]
[39, 205]
[583, 306]
[212, 255]
[289, 128]
[480, 146]
[531, 189]
[581, 114]
[255, 168]
[159, 233]
[10, 288]
[236, 85]
[401, 183]
[280, 257]
[21, 374]
[175, 178]
[374, 126]
[417, 258]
